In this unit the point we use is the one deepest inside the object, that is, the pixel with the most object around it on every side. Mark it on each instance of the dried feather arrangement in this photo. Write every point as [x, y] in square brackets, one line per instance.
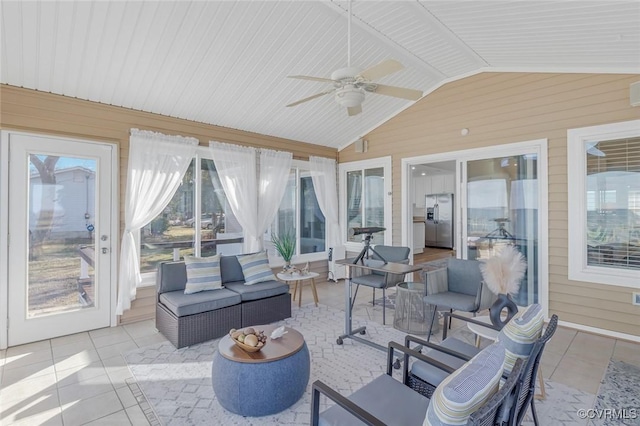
[503, 272]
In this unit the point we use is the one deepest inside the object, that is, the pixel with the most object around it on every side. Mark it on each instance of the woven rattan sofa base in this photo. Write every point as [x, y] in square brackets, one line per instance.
[192, 329]
[266, 311]
[420, 386]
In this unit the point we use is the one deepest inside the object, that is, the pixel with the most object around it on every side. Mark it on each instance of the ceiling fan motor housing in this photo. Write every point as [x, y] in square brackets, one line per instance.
[349, 96]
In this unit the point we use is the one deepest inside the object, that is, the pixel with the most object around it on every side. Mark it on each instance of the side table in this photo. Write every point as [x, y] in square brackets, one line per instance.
[491, 334]
[412, 315]
[264, 382]
[297, 278]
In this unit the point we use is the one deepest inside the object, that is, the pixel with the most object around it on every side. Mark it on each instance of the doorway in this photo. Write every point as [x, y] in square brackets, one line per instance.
[61, 256]
[500, 198]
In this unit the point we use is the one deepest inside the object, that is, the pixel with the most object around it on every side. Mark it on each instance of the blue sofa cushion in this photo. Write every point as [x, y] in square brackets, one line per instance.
[387, 399]
[171, 276]
[255, 268]
[203, 273]
[230, 269]
[190, 304]
[258, 291]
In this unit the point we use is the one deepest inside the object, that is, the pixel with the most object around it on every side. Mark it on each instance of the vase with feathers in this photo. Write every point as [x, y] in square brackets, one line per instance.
[502, 275]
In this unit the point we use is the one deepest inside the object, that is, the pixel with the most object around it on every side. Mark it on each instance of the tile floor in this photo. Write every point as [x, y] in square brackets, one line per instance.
[83, 379]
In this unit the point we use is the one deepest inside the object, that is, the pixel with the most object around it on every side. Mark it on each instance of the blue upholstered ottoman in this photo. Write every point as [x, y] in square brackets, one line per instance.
[264, 382]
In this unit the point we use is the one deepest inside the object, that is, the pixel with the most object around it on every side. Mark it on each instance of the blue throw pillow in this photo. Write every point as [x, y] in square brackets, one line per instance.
[203, 273]
[255, 268]
[520, 333]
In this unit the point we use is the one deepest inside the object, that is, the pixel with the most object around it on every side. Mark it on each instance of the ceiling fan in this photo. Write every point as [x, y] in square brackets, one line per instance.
[350, 83]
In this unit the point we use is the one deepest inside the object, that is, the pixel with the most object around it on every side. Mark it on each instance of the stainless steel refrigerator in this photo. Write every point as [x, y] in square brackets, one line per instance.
[439, 220]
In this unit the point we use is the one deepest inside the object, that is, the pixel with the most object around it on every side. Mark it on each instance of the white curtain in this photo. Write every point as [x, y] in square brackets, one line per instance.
[323, 175]
[157, 164]
[275, 167]
[236, 167]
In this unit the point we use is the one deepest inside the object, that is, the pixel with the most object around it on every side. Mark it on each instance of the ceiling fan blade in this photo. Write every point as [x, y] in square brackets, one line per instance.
[382, 69]
[317, 95]
[354, 110]
[306, 77]
[398, 92]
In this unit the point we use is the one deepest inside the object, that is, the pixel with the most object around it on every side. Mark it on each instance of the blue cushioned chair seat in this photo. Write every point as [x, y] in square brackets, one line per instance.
[433, 375]
[457, 301]
[189, 304]
[371, 280]
[385, 398]
[259, 290]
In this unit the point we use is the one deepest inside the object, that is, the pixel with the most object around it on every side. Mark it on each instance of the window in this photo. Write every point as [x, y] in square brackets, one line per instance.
[364, 190]
[300, 214]
[604, 194]
[193, 223]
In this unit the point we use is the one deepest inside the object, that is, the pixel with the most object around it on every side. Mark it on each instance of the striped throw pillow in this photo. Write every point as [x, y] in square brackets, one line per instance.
[519, 335]
[255, 268]
[467, 389]
[203, 273]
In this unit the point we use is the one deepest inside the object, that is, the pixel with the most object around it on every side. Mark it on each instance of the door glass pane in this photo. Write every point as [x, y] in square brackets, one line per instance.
[62, 240]
[502, 209]
[312, 227]
[354, 203]
[374, 202]
[170, 236]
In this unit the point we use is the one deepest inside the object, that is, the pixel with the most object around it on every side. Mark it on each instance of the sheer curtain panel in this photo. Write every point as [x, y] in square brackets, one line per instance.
[275, 167]
[157, 163]
[323, 175]
[236, 167]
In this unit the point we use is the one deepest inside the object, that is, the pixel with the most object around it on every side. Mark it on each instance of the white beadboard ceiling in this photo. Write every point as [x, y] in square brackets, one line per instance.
[226, 62]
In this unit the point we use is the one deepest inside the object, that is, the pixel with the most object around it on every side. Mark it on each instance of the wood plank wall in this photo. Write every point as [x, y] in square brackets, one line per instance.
[500, 108]
[46, 113]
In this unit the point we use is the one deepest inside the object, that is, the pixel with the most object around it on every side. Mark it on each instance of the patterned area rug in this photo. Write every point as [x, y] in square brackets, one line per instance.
[619, 392]
[177, 382]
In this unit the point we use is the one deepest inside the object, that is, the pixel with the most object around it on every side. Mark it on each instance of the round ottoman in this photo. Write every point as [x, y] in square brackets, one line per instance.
[261, 383]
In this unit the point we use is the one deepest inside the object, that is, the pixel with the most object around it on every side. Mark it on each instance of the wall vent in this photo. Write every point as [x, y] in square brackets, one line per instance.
[636, 298]
[634, 94]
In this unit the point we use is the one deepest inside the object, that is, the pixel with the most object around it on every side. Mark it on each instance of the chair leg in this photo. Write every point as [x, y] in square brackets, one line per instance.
[384, 307]
[450, 311]
[433, 318]
[355, 293]
[374, 297]
[533, 412]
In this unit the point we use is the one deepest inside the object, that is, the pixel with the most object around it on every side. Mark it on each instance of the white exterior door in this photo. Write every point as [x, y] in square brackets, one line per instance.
[60, 231]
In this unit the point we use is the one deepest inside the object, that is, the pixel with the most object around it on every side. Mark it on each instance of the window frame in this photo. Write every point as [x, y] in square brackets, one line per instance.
[381, 162]
[579, 270]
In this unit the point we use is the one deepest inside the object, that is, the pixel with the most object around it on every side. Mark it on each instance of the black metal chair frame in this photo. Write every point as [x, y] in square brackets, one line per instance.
[486, 415]
[526, 382]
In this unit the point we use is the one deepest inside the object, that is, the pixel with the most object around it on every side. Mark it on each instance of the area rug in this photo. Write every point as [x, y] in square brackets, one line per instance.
[619, 392]
[177, 382]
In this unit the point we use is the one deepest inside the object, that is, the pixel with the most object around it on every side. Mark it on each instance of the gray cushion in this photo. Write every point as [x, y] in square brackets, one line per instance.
[464, 276]
[189, 304]
[433, 375]
[457, 301]
[370, 280]
[387, 399]
[259, 290]
[171, 276]
[230, 269]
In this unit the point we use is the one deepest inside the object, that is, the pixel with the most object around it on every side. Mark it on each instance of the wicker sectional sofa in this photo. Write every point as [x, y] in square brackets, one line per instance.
[187, 319]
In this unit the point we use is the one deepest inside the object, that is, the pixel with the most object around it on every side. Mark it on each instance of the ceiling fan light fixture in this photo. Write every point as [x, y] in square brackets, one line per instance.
[349, 96]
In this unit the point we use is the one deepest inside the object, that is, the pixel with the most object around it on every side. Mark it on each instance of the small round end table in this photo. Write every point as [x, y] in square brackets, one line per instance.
[412, 315]
[297, 278]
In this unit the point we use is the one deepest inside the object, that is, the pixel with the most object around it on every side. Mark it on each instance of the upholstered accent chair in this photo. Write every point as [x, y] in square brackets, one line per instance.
[458, 287]
[381, 280]
[469, 396]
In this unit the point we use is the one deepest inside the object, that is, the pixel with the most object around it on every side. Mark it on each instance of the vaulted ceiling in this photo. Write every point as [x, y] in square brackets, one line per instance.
[226, 62]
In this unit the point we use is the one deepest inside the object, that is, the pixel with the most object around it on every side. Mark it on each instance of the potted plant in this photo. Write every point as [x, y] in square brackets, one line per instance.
[285, 245]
